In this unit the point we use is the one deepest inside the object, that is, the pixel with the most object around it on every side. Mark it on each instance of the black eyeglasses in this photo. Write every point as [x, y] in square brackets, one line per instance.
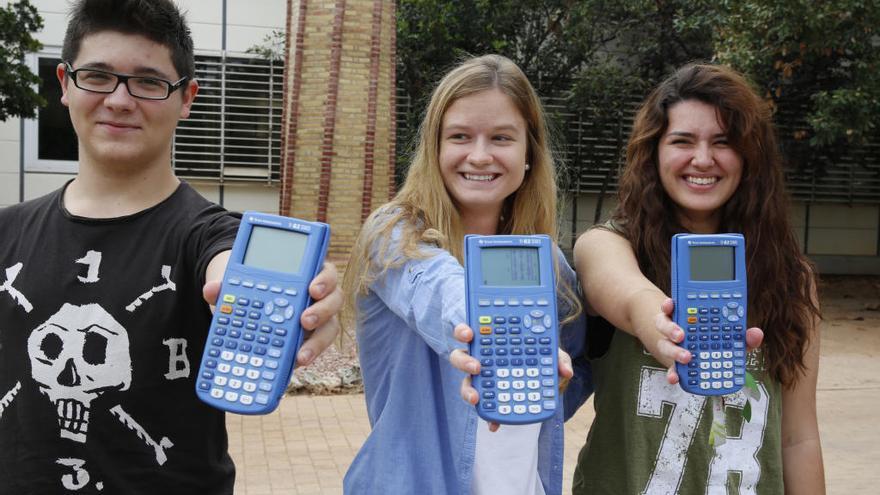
[102, 81]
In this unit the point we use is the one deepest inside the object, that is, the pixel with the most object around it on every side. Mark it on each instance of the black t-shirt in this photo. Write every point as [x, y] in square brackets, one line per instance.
[102, 328]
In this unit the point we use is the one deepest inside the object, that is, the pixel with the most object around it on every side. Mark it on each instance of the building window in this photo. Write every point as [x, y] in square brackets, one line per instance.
[232, 134]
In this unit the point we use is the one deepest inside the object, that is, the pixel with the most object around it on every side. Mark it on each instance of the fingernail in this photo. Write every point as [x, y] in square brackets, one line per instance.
[473, 369]
[311, 320]
[321, 288]
[306, 356]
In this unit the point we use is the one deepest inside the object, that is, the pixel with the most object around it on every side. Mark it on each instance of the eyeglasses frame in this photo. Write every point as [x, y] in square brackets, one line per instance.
[123, 79]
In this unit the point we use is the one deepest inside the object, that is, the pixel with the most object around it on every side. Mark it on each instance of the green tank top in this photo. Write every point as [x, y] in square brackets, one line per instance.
[650, 437]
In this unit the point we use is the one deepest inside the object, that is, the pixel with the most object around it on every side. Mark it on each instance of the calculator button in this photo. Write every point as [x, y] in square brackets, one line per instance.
[549, 405]
[537, 328]
[240, 312]
[488, 405]
[502, 384]
[224, 368]
[533, 384]
[281, 332]
[513, 302]
[246, 399]
[276, 289]
[502, 396]
[290, 292]
[235, 384]
[515, 330]
[276, 318]
[531, 351]
[542, 301]
[527, 321]
[216, 393]
[518, 384]
[705, 385]
[483, 302]
[519, 397]
[502, 362]
[504, 409]
[549, 392]
[227, 355]
[528, 302]
[262, 286]
[266, 386]
[485, 330]
[519, 409]
[241, 358]
[503, 373]
[487, 373]
[487, 362]
[238, 371]
[204, 386]
[498, 302]
[252, 374]
[220, 381]
[517, 372]
[514, 320]
[532, 372]
[249, 387]
[211, 363]
[516, 362]
[269, 375]
[273, 365]
[275, 353]
[485, 320]
[516, 351]
[548, 382]
[534, 396]
[262, 399]
[491, 384]
[534, 409]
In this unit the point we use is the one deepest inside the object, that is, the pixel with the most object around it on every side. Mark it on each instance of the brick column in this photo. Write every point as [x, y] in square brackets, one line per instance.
[337, 141]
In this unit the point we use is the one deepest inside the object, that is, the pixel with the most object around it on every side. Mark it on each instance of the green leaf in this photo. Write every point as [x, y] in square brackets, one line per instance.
[747, 411]
[751, 389]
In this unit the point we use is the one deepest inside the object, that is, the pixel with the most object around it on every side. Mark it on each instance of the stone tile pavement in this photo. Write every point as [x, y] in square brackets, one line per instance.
[305, 447]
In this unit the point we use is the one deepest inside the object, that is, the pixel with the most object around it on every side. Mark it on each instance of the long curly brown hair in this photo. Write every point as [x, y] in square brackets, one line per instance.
[781, 279]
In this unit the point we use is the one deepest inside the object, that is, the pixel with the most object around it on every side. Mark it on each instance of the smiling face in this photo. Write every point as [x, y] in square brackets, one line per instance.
[483, 146]
[698, 168]
[117, 130]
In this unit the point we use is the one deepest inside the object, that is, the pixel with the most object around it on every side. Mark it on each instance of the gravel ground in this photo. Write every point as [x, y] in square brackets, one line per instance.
[333, 372]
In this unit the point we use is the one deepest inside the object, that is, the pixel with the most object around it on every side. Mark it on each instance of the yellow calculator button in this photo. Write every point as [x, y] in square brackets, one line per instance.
[485, 330]
[485, 319]
[692, 311]
[692, 319]
[226, 309]
[229, 298]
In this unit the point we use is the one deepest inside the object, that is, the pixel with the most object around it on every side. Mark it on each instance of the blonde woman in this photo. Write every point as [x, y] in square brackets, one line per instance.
[482, 166]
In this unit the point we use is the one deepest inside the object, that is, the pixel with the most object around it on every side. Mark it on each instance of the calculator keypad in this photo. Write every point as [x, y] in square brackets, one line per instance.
[714, 326]
[247, 342]
[516, 356]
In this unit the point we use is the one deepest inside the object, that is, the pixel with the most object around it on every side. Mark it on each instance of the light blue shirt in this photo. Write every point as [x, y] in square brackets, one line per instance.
[424, 434]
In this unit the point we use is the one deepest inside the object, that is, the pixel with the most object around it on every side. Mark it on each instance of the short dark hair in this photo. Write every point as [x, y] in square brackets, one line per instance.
[158, 20]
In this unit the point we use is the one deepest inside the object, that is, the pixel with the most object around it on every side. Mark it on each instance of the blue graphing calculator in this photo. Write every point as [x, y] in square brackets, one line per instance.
[709, 290]
[511, 306]
[255, 332]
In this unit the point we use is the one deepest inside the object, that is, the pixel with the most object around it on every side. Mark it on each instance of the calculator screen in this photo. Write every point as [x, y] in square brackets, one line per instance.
[709, 263]
[510, 266]
[275, 249]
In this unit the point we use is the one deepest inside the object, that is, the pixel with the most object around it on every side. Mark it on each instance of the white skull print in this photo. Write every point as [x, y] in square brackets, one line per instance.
[79, 353]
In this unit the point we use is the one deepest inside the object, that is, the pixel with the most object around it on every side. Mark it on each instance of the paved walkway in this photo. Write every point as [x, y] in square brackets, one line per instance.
[305, 447]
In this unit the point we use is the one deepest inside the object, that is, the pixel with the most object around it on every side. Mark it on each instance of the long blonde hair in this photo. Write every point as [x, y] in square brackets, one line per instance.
[423, 208]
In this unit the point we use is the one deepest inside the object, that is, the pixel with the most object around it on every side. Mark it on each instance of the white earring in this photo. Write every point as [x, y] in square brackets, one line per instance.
[527, 166]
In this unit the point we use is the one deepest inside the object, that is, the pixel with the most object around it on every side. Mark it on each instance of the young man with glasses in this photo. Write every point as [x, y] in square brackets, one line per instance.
[103, 283]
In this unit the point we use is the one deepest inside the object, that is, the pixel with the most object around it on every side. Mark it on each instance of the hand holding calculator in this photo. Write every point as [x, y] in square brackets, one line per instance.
[511, 306]
[709, 290]
[255, 332]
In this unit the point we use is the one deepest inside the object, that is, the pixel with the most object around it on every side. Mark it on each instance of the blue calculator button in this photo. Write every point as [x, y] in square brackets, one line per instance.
[514, 319]
[234, 281]
[500, 331]
[240, 312]
[213, 352]
[243, 301]
[489, 395]
[245, 347]
[704, 311]
[281, 332]
[265, 329]
[546, 351]
[528, 302]
[486, 351]
[249, 337]
[204, 386]
[501, 352]
[531, 351]
[502, 362]
[281, 302]
[262, 399]
[263, 339]
[290, 291]
[235, 333]
[486, 362]
[515, 330]
[498, 302]
[488, 383]
[516, 362]
[254, 315]
[516, 351]
[500, 319]
[210, 363]
[231, 344]
[485, 341]
[272, 365]
[237, 323]
[501, 341]
[220, 331]
[515, 341]
[276, 318]
[544, 340]
[549, 405]
[484, 302]
[266, 386]
[257, 304]
[276, 289]
[542, 301]
[488, 405]
[487, 373]
[531, 361]
[251, 326]
[223, 320]
[278, 342]
[259, 350]
[262, 286]
[513, 301]
[217, 341]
